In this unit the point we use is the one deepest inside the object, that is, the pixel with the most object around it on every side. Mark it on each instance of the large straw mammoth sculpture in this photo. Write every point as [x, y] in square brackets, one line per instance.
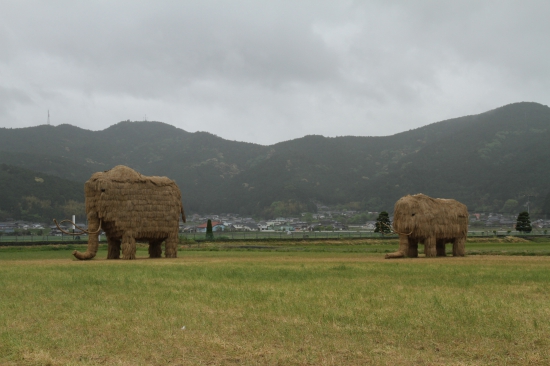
[431, 221]
[131, 207]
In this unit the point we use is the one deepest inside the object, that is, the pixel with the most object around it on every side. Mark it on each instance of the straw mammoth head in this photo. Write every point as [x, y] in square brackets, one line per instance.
[407, 214]
[110, 190]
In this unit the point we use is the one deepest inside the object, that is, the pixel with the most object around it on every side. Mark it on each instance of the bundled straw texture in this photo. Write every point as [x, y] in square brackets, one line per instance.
[126, 200]
[432, 222]
[131, 207]
[426, 216]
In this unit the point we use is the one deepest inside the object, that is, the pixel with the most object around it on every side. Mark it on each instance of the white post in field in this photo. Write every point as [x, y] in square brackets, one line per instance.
[74, 222]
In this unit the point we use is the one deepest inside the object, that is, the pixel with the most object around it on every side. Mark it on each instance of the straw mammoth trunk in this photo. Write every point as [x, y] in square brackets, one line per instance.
[132, 208]
[433, 222]
[93, 242]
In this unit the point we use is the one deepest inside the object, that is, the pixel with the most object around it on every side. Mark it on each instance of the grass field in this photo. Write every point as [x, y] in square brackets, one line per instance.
[324, 303]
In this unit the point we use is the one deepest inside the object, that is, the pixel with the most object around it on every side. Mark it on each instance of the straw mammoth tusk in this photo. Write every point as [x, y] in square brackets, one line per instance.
[395, 231]
[82, 231]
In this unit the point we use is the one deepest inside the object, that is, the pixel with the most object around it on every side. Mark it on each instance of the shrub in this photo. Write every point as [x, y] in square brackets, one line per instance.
[383, 224]
[209, 233]
[523, 223]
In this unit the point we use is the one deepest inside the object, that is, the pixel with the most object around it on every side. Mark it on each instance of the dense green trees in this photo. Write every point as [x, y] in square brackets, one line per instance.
[523, 223]
[361, 218]
[509, 206]
[284, 209]
[28, 195]
[308, 217]
[383, 224]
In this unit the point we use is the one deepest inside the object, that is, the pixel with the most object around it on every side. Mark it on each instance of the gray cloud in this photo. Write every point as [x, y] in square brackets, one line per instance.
[269, 71]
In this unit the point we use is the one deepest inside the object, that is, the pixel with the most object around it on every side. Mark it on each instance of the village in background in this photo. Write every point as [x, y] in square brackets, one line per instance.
[325, 220]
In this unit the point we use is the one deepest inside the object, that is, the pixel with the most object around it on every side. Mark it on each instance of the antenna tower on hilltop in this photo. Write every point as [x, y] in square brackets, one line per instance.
[48, 117]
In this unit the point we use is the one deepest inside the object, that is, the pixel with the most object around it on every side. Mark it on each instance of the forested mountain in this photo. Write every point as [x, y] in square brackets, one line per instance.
[33, 196]
[483, 160]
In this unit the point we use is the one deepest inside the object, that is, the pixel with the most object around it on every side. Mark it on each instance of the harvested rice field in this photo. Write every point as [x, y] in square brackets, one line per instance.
[274, 304]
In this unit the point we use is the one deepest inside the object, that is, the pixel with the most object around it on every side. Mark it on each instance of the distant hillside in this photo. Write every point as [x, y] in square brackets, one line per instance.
[482, 160]
[28, 195]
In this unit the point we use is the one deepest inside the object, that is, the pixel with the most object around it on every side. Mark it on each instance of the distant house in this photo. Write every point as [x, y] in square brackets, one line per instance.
[188, 229]
[300, 226]
[339, 226]
[249, 226]
[370, 225]
[313, 227]
[493, 221]
[246, 226]
[284, 228]
[238, 226]
[216, 226]
[507, 222]
[7, 227]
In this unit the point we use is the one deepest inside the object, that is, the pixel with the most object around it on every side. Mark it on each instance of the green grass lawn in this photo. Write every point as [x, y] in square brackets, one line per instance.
[330, 304]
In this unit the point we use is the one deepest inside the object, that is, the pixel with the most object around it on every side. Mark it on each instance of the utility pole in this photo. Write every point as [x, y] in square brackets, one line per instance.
[526, 195]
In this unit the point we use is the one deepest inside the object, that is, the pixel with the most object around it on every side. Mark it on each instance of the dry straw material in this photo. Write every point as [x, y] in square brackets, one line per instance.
[432, 222]
[132, 207]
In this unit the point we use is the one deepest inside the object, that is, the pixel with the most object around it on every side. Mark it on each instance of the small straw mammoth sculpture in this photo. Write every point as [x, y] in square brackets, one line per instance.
[432, 222]
[131, 207]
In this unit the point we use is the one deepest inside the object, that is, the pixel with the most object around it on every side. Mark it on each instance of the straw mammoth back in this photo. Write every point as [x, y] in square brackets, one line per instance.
[132, 207]
[432, 222]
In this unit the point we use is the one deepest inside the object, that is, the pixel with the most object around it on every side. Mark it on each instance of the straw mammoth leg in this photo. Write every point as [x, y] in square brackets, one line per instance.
[128, 247]
[430, 247]
[113, 248]
[412, 252]
[458, 247]
[172, 246]
[155, 248]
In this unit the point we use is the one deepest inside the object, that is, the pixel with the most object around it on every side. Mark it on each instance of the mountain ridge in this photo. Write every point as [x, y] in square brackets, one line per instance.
[482, 160]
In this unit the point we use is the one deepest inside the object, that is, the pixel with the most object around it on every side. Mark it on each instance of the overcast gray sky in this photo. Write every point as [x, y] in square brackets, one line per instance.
[269, 71]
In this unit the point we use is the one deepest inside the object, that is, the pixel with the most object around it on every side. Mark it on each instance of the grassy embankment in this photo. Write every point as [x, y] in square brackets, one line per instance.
[299, 306]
